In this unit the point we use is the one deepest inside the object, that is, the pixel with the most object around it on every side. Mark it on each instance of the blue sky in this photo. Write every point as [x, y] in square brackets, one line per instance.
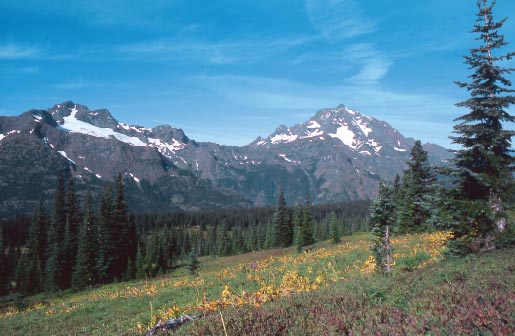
[228, 71]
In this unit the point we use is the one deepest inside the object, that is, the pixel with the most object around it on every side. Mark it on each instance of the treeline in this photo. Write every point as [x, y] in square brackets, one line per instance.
[167, 239]
[83, 244]
[78, 246]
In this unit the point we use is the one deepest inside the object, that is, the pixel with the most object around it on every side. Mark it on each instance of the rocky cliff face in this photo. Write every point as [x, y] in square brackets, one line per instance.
[339, 154]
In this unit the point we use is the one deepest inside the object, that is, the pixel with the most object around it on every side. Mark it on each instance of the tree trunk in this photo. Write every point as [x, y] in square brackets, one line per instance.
[498, 210]
[387, 250]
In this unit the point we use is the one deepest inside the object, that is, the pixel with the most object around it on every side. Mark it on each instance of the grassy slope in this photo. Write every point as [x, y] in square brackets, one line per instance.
[331, 290]
[475, 296]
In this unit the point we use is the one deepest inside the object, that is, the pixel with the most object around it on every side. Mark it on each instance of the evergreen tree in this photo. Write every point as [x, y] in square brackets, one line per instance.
[73, 221]
[130, 272]
[54, 275]
[251, 239]
[413, 200]
[382, 217]
[298, 234]
[21, 275]
[212, 236]
[192, 263]
[237, 240]
[105, 231]
[85, 265]
[36, 245]
[3, 269]
[307, 223]
[333, 230]
[283, 232]
[484, 164]
[161, 259]
[123, 238]
[269, 236]
[396, 184]
[140, 263]
[223, 240]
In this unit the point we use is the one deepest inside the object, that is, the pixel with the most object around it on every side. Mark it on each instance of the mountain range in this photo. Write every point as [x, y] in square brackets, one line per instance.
[338, 154]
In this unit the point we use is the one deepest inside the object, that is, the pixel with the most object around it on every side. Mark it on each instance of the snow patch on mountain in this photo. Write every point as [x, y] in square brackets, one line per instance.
[134, 128]
[137, 180]
[3, 136]
[72, 124]
[284, 157]
[284, 138]
[345, 135]
[63, 154]
[315, 133]
[166, 148]
[374, 144]
[313, 124]
[363, 126]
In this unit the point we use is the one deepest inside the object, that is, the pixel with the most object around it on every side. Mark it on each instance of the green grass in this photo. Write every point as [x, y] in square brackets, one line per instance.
[474, 296]
[330, 290]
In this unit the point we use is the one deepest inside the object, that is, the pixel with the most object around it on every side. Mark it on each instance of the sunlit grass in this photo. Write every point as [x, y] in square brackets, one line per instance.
[252, 279]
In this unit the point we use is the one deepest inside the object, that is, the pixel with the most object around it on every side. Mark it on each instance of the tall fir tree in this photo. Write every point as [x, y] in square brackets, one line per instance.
[192, 263]
[73, 222]
[123, 239]
[382, 217]
[105, 231]
[283, 232]
[484, 164]
[333, 229]
[223, 240]
[307, 223]
[85, 265]
[140, 263]
[3, 269]
[414, 197]
[21, 278]
[54, 277]
[36, 245]
[298, 234]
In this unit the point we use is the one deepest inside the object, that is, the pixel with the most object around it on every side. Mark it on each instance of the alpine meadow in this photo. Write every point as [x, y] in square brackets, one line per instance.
[342, 224]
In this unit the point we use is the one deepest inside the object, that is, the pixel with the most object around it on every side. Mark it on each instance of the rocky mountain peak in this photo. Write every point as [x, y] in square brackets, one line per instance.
[168, 133]
[69, 110]
[360, 133]
[40, 116]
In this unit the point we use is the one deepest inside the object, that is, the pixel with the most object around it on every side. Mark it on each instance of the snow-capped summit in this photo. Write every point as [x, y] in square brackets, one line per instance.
[76, 118]
[358, 132]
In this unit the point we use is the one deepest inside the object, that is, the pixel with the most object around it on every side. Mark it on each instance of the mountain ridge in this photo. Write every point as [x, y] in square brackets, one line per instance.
[338, 154]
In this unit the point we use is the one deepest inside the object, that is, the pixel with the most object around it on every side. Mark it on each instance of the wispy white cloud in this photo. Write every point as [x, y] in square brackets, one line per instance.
[264, 93]
[74, 84]
[18, 51]
[358, 63]
[245, 49]
[373, 64]
[338, 19]
[100, 13]
[423, 116]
